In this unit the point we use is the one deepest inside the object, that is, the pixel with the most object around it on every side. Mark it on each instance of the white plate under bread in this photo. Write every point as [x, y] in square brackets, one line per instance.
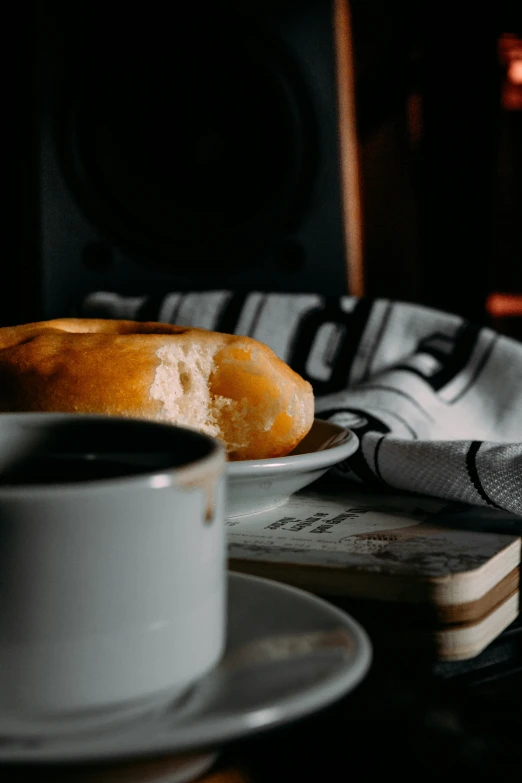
[258, 485]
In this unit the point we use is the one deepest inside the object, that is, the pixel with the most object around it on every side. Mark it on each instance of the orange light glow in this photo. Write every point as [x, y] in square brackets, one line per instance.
[510, 58]
[504, 305]
[514, 72]
[509, 48]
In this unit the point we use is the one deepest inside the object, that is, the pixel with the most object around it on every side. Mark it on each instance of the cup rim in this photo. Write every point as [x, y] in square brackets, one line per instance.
[213, 462]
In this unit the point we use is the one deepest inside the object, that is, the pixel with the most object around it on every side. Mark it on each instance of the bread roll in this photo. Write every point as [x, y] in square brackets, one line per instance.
[233, 388]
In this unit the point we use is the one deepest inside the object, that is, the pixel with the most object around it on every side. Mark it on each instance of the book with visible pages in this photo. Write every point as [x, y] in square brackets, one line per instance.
[447, 575]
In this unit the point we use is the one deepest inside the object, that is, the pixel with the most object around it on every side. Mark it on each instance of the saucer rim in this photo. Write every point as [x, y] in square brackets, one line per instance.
[297, 463]
[240, 724]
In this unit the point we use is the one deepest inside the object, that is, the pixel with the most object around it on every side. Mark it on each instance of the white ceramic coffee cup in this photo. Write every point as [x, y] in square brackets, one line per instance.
[112, 590]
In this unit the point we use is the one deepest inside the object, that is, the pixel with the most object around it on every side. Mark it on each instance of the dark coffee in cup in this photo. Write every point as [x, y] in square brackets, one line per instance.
[66, 469]
[94, 451]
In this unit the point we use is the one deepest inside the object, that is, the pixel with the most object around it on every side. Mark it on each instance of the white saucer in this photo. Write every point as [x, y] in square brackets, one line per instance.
[288, 654]
[258, 485]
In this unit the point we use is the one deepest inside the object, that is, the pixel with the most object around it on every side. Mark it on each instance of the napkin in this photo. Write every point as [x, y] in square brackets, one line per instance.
[435, 400]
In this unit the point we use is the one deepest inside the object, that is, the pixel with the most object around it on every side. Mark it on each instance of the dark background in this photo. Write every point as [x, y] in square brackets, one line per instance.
[440, 157]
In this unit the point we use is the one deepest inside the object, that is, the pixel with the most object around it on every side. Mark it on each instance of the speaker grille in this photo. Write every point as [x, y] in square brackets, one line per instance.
[184, 139]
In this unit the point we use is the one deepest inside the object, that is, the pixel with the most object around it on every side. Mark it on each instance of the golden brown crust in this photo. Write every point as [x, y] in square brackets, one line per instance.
[109, 366]
[81, 366]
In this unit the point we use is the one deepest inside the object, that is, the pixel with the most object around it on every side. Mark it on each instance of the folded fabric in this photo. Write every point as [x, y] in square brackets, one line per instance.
[436, 401]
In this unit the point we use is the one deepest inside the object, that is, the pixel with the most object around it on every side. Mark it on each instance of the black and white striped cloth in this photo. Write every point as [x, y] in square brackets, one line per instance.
[436, 401]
